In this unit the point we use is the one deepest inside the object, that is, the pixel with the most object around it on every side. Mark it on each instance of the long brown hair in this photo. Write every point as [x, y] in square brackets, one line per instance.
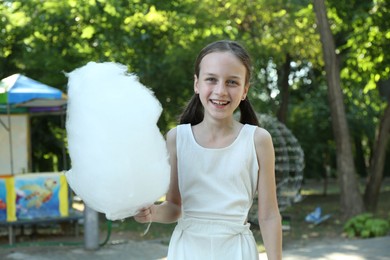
[193, 113]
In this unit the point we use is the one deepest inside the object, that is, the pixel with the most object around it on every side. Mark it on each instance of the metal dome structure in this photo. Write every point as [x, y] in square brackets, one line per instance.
[289, 164]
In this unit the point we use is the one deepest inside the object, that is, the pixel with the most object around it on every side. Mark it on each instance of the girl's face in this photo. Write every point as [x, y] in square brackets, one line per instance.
[221, 84]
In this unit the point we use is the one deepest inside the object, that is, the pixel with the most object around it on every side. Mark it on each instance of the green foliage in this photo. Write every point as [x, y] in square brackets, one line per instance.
[48, 147]
[366, 49]
[366, 225]
[312, 108]
[361, 30]
[159, 40]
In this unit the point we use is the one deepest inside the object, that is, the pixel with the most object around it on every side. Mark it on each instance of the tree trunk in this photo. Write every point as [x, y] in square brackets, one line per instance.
[350, 198]
[284, 89]
[375, 170]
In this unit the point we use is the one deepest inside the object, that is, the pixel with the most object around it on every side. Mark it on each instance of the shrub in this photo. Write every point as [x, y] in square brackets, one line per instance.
[366, 225]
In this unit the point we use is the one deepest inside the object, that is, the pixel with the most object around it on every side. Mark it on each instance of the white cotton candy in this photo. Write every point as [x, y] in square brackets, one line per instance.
[119, 157]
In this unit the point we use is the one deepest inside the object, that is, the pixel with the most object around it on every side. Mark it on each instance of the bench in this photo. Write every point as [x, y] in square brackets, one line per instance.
[73, 219]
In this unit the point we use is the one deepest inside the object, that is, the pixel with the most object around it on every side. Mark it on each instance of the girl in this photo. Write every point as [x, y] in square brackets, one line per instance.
[217, 165]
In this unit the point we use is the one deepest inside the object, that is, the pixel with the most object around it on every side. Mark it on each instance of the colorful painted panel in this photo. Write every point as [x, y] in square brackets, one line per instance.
[37, 196]
[3, 200]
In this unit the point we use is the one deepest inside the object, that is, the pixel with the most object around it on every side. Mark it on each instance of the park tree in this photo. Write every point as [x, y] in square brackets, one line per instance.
[367, 66]
[361, 39]
[351, 200]
[363, 46]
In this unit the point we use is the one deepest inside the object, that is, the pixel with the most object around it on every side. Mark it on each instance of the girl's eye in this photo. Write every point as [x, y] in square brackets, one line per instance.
[232, 83]
[211, 79]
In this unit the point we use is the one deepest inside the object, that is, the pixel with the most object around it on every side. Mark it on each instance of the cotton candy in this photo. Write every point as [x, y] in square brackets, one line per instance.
[119, 157]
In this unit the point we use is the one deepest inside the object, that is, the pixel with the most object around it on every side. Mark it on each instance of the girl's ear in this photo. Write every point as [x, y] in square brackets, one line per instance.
[246, 89]
[196, 90]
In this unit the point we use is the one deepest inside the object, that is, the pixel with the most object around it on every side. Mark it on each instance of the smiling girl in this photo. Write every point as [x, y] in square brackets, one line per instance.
[217, 166]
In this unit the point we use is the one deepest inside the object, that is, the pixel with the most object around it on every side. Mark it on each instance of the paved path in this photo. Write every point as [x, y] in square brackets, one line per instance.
[362, 249]
[370, 249]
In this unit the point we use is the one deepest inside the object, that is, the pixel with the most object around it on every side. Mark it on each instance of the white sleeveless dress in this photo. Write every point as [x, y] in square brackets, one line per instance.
[217, 187]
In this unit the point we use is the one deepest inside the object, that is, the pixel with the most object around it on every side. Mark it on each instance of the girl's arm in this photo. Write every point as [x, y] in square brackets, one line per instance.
[170, 210]
[269, 216]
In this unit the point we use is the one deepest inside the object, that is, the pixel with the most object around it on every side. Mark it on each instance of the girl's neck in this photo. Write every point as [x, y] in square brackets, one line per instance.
[219, 126]
[216, 134]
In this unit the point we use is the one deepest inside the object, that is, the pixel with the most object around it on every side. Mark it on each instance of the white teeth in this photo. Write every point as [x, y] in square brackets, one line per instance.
[220, 102]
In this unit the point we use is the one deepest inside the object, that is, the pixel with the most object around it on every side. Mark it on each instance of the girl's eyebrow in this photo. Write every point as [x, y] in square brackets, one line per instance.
[214, 75]
[210, 74]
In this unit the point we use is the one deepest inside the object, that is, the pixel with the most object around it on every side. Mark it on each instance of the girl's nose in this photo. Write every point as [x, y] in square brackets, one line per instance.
[220, 88]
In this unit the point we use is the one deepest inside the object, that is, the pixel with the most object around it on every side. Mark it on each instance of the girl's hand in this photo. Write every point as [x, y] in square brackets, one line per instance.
[144, 215]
